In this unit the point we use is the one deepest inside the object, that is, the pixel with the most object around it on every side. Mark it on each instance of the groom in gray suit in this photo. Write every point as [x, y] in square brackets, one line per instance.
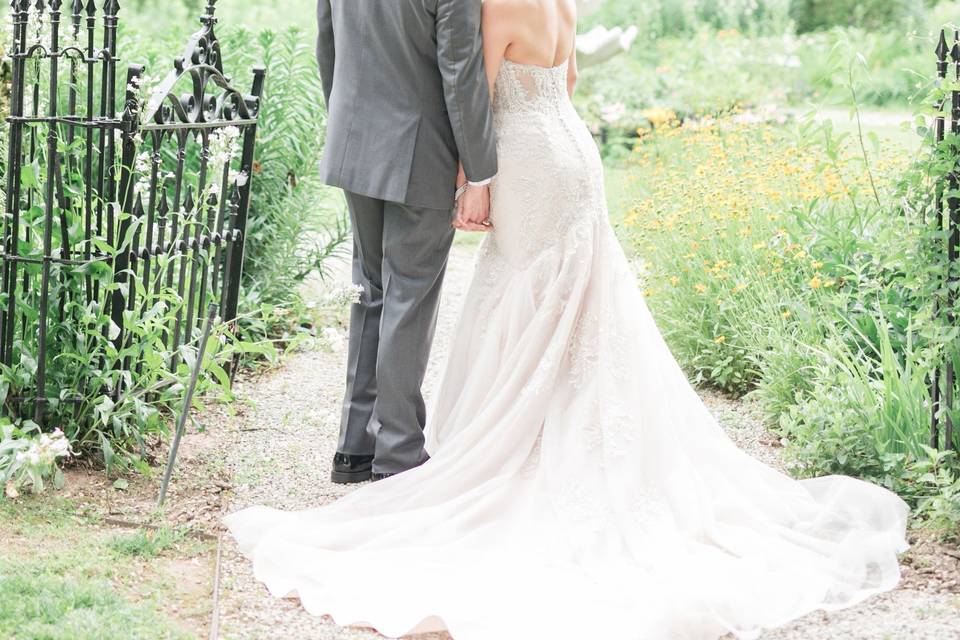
[407, 98]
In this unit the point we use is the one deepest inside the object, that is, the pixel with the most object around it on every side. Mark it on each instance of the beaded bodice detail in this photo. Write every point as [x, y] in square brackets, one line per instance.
[525, 87]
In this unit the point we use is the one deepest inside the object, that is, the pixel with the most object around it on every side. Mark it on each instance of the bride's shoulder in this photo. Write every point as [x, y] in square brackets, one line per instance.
[521, 12]
[504, 6]
[501, 15]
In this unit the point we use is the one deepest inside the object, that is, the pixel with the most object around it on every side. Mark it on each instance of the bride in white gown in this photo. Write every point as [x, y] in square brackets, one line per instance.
[578, 487]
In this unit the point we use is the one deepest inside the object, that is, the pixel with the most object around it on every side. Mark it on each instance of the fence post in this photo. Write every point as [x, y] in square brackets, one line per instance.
[942, 52]
[11, 226]
[235, 254]
[121, 269]
[52, 162]
[953, 242]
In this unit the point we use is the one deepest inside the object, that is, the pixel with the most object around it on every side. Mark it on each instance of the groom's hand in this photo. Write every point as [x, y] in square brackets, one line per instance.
[473, 210]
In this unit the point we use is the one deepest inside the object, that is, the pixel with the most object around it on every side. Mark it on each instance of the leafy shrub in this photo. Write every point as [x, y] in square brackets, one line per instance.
[801, 265]
[811, 15]
[673, 18]
[863, 409]
[295, 222]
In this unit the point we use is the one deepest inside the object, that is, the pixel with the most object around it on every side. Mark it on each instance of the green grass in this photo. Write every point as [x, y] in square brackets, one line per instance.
[63, 576]
[146, 543]
[53, 599]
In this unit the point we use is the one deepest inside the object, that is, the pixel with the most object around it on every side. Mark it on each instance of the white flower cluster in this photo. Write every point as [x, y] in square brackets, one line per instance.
[223, 144]
[613, 113]
[343, 296]
[70, 38]
[334, 339]
[221, 150]
[40, 30]
[45, 450]
[142, 169]
[137, 83]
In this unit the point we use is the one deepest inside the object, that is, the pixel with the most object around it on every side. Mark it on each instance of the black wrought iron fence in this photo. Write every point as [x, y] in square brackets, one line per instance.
[947, 218]
[125, 205]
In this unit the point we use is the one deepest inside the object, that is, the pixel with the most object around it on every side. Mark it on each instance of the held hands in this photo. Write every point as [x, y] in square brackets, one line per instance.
[473, 206]
[473, 210]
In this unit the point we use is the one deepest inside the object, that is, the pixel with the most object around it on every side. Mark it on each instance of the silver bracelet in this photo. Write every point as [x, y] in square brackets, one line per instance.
[462, 190]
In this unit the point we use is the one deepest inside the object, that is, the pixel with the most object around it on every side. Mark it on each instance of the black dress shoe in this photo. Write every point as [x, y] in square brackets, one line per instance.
[349, 469]
[376, 477]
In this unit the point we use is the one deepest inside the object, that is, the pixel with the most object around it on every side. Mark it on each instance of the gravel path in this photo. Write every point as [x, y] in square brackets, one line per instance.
[279, 440]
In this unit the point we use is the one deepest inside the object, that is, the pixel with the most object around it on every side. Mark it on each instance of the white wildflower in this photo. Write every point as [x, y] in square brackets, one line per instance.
[39, 31]
[143, 170]
[613, 113]
[344, 296]
[333, 338]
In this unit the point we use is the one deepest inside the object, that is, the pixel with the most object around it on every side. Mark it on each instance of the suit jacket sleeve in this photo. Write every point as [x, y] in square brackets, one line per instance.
[460, 55]
[326, 52]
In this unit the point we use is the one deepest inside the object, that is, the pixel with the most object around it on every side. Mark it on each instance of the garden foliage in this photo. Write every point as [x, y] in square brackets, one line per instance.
[801, 265]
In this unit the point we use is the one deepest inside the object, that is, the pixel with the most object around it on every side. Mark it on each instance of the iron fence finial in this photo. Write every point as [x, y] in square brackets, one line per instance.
[75, 16]
[942, 51]
[209, 17]
[188, 202]
[164, 207]
[955, 53]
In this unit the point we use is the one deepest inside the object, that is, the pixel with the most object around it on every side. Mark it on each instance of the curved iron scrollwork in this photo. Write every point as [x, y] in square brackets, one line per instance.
[213, 98]
[158, 194]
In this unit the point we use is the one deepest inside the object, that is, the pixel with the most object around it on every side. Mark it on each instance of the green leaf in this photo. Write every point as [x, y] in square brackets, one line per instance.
[114, 331]
[108, 454]
[58, 479]
[28, 176]
[121, 484]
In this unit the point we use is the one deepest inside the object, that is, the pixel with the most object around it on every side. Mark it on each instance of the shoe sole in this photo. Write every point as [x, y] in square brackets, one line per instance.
[350, 477]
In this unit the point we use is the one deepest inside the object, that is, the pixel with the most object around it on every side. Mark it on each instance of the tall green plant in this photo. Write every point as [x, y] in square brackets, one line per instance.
[295, 222]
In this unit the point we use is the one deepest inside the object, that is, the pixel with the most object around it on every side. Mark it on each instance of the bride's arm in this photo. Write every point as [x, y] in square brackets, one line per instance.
[495, 43]
[572, 73]
[495, 23]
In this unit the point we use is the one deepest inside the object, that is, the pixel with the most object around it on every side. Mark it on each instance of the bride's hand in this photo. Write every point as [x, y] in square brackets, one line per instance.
[473, 210]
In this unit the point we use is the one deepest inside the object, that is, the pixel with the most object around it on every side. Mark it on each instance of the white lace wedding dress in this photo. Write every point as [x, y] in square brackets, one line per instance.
[578, 487]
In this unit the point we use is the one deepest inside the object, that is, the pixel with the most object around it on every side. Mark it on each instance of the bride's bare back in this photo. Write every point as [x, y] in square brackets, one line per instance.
[530, 32]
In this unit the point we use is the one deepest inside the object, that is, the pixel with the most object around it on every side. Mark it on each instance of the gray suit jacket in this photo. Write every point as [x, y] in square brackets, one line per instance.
[407, 98]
